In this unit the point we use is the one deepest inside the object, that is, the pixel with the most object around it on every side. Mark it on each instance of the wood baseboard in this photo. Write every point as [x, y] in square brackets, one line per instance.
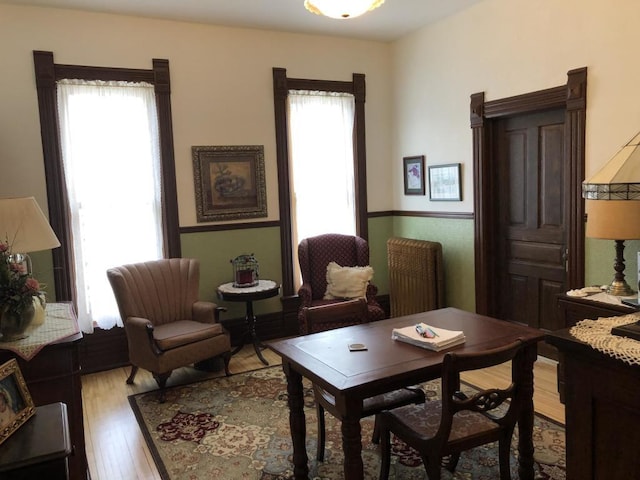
[107, 349]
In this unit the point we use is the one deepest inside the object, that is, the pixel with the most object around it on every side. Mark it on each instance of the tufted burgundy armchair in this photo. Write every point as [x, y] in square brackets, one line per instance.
[314, 254]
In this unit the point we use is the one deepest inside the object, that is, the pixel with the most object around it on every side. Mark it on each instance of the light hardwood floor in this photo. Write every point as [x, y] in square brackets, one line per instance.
[116, 449]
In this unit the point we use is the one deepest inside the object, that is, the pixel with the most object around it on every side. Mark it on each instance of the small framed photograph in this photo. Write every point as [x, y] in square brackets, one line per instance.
[229, 182]
[413, 175]
[444, 182]
[16, 405]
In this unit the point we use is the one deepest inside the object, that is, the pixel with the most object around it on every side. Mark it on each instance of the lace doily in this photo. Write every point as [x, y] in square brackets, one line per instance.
[597, 333]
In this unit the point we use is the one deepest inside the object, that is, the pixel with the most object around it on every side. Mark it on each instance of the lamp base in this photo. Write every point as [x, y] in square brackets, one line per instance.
[620, 289]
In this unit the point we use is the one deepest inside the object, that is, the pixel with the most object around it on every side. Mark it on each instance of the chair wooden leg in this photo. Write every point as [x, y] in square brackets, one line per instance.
[385, 452]
[161, 380]
[375, 437]
[226, 358]
[432, 467]
[504, 455]
[321, 433]
[132, 375]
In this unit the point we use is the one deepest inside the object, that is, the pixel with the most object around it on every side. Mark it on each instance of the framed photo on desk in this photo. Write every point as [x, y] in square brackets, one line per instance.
[16, 405]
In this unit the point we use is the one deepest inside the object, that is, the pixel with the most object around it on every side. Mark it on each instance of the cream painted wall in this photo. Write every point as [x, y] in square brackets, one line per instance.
[221, 80]
[417, 88]
[506, 48]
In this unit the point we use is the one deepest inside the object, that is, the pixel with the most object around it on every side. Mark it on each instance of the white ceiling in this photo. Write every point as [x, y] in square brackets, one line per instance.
[392, 20]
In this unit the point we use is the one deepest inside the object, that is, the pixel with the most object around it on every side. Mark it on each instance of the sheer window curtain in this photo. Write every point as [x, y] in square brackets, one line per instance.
[110, 149]
[322, 167]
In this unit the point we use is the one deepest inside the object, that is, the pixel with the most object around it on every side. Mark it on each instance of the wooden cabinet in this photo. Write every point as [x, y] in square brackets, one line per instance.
[40, 448]
[53, 375]
[575, 309]
[602, 408]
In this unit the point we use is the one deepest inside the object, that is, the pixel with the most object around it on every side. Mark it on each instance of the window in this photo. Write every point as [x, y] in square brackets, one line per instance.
[321, 154]
[59, 192]
[282, 88]
[109, 137]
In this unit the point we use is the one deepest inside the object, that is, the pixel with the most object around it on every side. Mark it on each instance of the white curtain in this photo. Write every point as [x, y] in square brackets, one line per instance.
[110, 150]
[322, 166]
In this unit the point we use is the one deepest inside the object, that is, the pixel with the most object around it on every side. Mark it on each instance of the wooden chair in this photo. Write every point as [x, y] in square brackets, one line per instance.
[457, 423]
[166, 326]
[328, 317]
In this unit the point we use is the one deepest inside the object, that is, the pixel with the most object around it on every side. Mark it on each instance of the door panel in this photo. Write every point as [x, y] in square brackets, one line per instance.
[531, 240]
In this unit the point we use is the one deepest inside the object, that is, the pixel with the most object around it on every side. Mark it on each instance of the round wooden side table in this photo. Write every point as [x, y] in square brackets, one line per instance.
[264, 289]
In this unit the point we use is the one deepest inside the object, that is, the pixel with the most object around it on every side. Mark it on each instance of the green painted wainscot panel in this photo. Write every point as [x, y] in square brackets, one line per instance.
[599, 259]
[456, 237]
[42, 264]
[380, 229]
[215, 250]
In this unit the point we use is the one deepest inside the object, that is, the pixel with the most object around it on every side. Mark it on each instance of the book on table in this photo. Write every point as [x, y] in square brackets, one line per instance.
[428, 337]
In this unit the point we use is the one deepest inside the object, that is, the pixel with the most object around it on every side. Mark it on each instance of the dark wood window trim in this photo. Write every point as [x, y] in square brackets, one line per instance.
[47, 73]
[281, 87]
[573, 98]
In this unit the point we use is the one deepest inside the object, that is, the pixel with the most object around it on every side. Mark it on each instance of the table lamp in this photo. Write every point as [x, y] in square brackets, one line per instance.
[25, 228]
[613, 208]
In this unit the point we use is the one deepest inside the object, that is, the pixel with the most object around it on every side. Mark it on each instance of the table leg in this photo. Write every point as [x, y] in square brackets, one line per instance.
[352, 447]
[525, 360]
[251, 326]
[297, 422]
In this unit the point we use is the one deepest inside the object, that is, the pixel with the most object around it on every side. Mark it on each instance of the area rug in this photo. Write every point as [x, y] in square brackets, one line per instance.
[237, 427]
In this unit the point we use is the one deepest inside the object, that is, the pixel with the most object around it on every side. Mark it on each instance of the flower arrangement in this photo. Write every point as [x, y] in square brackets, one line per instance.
[18, 288]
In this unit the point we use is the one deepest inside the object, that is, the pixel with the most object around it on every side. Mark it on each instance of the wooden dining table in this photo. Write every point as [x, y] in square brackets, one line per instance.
[351, 376]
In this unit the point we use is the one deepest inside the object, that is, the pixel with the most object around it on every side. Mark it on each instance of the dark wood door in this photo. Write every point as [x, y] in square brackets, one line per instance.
[531, 217]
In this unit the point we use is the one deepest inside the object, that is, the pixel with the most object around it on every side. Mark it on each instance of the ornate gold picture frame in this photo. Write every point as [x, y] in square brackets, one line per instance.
[229, 182]
[16, 405]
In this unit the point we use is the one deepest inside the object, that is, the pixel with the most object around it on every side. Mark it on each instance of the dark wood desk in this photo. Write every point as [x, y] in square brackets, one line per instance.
[575, 309]
[325, 359]
[52, 376]
[40, 448]
[602, 406]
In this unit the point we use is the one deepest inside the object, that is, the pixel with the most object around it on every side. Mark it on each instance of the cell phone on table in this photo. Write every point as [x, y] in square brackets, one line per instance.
[357, 347]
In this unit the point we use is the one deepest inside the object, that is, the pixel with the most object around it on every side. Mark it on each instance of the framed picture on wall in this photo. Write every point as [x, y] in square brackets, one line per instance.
[413, 170]
[229, 182]
[444, 182]
[16, 405]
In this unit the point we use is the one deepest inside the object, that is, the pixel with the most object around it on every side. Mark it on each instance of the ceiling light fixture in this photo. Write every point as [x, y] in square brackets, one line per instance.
[341, 9]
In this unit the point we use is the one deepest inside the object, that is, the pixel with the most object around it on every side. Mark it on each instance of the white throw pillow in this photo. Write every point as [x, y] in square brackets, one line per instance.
[347, 282]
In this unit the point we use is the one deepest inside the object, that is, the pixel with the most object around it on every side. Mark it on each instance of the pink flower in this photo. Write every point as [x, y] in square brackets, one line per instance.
[3, 247]
[32, 285]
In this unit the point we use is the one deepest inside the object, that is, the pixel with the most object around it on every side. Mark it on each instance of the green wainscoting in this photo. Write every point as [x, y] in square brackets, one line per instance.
[456, 237]
[42, 264]
[215, 250]
[599, 259]
[380, 229]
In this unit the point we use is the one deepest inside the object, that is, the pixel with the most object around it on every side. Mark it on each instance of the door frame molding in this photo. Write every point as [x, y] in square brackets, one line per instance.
[573, 98]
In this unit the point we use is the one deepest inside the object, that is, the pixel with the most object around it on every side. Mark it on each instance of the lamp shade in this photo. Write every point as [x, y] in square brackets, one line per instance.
[341, 9]
[613, 219]
[24, 226]
[619, 179]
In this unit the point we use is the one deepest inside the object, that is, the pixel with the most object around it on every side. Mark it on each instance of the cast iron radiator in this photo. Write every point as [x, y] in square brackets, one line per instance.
[416, 277]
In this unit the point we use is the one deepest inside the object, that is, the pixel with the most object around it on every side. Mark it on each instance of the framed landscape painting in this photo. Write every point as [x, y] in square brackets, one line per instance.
[229, 182]
[444, 182]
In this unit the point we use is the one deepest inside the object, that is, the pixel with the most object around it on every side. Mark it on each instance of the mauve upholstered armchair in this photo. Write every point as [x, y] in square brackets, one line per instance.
[314, 254]
[166, 325]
